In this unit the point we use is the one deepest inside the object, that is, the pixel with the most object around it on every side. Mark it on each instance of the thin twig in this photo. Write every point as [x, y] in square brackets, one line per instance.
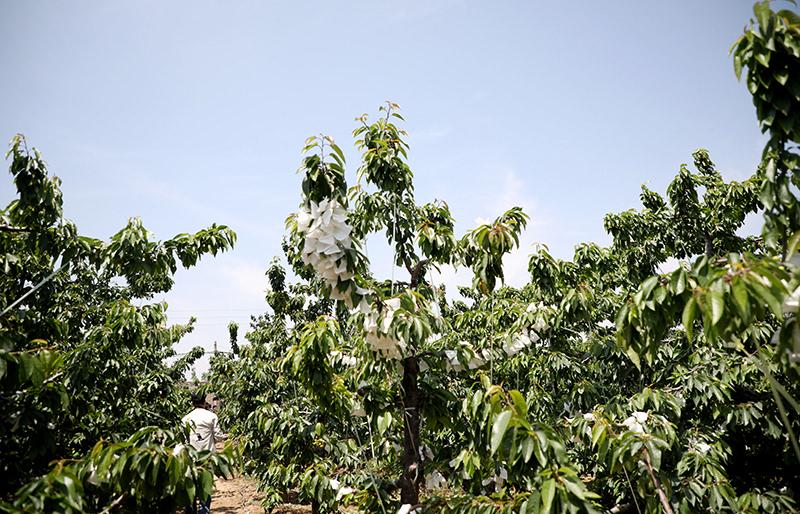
[633, 493]
[661, 494]
[371, 475]
[113, 504]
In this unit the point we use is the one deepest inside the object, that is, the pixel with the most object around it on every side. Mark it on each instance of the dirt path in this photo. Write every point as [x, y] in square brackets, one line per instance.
[239, 496]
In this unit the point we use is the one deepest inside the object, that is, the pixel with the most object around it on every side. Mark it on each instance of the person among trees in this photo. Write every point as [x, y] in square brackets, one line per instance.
[204, 433]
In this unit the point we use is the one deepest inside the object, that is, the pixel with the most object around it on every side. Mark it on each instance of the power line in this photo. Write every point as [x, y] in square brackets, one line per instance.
[33, 290]
[213, 310]
[207, 352]
[212, 316]
[210, 324]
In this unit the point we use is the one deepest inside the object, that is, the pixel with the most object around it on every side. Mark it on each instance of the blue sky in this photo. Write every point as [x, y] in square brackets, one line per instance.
[191, 112]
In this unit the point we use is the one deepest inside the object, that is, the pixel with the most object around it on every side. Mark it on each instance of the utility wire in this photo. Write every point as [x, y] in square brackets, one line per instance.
[215, 310]
[36, 287]
[207, 352]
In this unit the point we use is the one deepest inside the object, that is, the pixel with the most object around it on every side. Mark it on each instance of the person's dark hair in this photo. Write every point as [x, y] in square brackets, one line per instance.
[198, 400]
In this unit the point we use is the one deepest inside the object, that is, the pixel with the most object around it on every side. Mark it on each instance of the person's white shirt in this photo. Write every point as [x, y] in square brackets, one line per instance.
[205, 429]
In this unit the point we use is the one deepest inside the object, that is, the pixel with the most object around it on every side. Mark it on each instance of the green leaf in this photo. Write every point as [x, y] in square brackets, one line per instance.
[499, 428]
[548, 493]
[206, 483]
[737, 65]
[741, 299]
[597, 432]
[717, 306]
[384, 421]
[793, 244]
[633, 355]
[762, 13]
[575, 489]
[678, 281]
[689, 313]
[338, 152]
[647, 287]
[766, 296]
[190, 489]
[527, 448]
[519, 402]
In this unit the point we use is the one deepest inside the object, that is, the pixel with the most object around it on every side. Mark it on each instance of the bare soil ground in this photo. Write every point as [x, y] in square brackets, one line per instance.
[239, 496]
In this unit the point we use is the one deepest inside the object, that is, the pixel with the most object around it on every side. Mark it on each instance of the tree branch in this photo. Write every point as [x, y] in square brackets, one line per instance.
[9, 228]
[661, 494]
[418, 272]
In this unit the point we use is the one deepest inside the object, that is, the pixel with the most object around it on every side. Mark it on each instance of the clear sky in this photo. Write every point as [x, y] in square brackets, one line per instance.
[191, 112]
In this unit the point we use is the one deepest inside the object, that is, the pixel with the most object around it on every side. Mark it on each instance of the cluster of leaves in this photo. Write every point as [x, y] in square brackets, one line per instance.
[659, 416]
[688, 224]
[391, 206]
[151, 471]
[485, 246]
[285, 403]
[686, 402]
[637, 391]
[770, 51]
[80, 361]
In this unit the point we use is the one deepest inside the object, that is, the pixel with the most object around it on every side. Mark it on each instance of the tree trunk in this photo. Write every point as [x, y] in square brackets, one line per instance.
[412, 464]
[709, 247]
